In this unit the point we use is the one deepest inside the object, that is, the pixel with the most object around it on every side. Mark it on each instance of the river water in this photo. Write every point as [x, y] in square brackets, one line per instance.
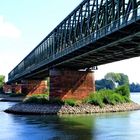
[107, 126]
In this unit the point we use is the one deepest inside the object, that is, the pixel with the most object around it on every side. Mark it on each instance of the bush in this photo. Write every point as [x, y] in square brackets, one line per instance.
[103, 97]
[42, 99]
[123, 90]
[56, 101]
[37, 98]
[109, 99]
[127, 99]
[70, 102]
[95, 99]
[118, 98]
[16, 94]
[99, 98]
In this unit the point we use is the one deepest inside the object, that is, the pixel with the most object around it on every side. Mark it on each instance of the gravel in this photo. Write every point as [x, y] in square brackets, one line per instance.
[26, 108]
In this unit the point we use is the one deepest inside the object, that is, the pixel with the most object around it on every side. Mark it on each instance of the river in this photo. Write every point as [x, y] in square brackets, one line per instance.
[107, 126]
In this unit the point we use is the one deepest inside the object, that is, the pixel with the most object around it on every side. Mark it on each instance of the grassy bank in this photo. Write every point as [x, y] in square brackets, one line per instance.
[100, 98]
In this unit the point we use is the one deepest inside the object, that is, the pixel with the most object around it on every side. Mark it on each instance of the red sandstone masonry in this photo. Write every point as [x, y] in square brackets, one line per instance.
[27, 87]
[35, 87]
[65, 84]
[7, 88]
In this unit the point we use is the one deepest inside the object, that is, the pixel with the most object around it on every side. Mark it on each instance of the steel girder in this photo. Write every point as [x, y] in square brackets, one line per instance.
[91, 17]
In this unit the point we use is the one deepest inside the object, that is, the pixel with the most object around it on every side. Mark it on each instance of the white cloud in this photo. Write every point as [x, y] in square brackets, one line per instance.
[9, 30]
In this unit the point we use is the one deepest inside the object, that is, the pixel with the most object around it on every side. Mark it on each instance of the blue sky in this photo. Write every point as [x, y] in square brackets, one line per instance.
[24, 23]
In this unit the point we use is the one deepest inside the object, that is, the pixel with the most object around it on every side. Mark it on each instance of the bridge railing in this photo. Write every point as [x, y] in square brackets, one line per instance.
[86, 24]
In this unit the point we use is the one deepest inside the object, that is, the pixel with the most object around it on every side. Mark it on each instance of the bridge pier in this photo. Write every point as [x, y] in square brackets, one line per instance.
[34, 86]
[62, 84]
[67, 84]
[27, 87]
[16, 87]
[12, 88]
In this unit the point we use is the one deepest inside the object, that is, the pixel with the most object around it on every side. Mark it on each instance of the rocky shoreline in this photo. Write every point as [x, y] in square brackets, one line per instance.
[26, 108]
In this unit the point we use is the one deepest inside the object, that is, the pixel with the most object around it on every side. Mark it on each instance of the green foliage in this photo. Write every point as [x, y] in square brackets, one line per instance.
[100, 98]
[2, 80]
[117, 78]
[42, 99]
[111, 80]
[127, 99]
[37, 98]
[95, 99]
[70, 102]
[104, 84]
[16, 94]
[103, 97]
[134, 87]
[124, 79]
[123, 90]
[56, 101]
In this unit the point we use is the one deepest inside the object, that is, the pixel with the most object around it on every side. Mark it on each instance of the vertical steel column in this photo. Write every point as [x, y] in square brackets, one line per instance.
[74, 27]
[106, 16]
[81, 21]
[53, 49]
[134, 7]
[119, 9]
[88, 18]
[96, 19]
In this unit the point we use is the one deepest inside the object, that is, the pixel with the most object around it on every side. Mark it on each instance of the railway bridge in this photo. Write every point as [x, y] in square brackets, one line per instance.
[96, 32]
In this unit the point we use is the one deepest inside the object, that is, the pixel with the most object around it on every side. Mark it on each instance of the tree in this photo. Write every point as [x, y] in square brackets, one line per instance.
[104, 84]
[114, 77]
[2, 80]
[124, 79]
[134, 87]
[117, 78]
[124, 90]
[112, 80]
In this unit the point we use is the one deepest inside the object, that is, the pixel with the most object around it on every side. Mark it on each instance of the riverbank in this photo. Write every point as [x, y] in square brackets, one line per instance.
[7, 98]
[26, 108]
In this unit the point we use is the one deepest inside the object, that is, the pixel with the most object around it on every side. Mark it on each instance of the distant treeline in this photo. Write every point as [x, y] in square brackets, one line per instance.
[112, 80]
[134, 87]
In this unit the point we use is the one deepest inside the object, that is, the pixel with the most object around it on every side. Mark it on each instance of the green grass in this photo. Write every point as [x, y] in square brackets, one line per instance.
[123, 90]
[71, 102]
[43, 99]
[16, 94]
[56, 101]
[99, 98]
[104, 97]
[37, 98]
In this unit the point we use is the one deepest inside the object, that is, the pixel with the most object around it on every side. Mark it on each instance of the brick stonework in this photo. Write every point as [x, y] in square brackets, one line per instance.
[34, 87]
[7, 88]
[14, 88]
[17, 88]
[27, 87]
[65, 84]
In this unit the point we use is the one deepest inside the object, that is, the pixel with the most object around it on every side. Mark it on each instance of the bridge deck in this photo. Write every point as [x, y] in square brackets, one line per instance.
[95, 33]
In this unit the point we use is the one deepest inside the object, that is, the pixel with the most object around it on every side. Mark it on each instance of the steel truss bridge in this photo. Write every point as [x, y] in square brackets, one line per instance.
[96, 32]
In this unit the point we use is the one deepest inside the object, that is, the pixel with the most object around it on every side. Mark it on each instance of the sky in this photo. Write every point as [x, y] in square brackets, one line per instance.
[24, 23]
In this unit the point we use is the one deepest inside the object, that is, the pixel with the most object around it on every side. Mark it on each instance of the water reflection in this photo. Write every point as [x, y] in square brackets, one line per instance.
[109, 126]
[55, 127]
[85, 127]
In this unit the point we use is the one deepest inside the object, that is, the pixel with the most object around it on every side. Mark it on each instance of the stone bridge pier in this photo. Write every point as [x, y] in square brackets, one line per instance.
[66, 84]
[61, 83]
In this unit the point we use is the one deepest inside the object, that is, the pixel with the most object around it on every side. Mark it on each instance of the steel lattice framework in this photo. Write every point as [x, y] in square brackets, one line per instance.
[86, 38]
